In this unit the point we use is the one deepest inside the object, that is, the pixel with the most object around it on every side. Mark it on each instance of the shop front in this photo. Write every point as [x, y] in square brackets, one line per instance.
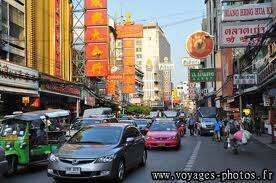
[18, 88]
[56, 93]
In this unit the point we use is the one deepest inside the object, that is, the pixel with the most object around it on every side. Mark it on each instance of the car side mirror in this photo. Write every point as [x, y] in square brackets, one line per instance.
[129, 140]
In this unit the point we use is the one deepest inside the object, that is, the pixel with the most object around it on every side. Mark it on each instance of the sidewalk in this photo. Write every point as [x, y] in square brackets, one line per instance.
[266, 140]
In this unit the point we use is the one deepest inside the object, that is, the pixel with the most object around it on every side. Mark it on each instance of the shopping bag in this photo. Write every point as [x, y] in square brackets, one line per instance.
[244, 140]
[238, 135]
[247, 134]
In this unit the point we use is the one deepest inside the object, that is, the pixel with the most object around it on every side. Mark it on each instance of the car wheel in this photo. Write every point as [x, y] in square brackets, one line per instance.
[120, 172]
[144, 158]
[12, 165]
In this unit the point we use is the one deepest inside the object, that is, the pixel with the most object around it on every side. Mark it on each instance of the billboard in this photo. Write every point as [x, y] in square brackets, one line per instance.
[96, 34]
[247, 12]
[95, 4]
[97, 38]
[233, 34]
[200, 45]
[96, 68]
[189, 61]
[129, 31]
[202, 75]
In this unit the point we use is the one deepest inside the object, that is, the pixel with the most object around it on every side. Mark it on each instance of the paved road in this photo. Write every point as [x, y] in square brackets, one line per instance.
[196, 154]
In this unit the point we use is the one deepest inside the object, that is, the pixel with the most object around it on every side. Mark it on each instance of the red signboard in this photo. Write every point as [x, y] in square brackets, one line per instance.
[95, 4]
[200, 45]
[129, 79]
[96, 68]
[96, 17]
[96, 34]
[129, 69]
[96, 51]
[115, 77]
[129, 61]
[129, 31]
[128, 89]
[57, 39]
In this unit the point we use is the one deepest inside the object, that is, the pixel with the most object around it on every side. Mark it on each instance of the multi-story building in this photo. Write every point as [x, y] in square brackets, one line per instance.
[155, 48]
[12, 31]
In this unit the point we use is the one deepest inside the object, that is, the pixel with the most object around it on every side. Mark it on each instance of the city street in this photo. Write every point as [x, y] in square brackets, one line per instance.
[211, 156]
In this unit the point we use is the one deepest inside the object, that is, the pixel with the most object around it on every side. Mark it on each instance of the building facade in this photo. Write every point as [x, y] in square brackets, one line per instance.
[155, 48]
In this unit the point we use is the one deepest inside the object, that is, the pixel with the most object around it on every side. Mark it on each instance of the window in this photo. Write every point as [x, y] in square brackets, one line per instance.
[139, 56]
[138, 49]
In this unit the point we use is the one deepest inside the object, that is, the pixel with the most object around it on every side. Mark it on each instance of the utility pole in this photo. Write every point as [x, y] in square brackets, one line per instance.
[239, 87]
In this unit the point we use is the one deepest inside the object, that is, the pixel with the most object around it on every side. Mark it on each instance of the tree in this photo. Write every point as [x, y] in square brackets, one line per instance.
[137, 109]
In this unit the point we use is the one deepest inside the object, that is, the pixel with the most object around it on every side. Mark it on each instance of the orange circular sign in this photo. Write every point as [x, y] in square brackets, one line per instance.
[200, 45]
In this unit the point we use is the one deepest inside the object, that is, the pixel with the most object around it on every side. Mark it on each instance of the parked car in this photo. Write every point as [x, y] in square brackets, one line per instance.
[207, 120]
[88, 113]
[3, 162]
[101, 151]
[128, 121]
[142, 124]
[163, 134]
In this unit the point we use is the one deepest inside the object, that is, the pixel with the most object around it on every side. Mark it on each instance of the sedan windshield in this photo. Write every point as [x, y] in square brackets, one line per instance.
[166, 126]
[84, 122]
[97, 135]
[126, 121]
[141, 122]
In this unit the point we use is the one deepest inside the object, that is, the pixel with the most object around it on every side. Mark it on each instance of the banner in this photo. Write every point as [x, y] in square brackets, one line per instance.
[129, 61]
[96, 34]
[247, 12]
[129, 31]
[202, 75]
[111, 87]
[95, 4]
[129, 69]
[233, 34]
[245, 79]
[96, 17]
[96, 68]
[115, 76]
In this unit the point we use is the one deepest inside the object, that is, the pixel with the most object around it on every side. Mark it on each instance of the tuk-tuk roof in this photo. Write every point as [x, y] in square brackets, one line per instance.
[37, 115]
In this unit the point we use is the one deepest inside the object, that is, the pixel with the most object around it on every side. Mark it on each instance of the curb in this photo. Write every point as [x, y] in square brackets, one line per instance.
[268, 145]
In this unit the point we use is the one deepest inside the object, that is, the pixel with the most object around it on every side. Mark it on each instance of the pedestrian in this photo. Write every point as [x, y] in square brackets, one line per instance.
[257, 125]
[217, 129]
[191, 123]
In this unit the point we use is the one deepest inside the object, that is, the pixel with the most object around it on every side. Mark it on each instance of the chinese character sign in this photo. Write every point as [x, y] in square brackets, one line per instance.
[97, 38]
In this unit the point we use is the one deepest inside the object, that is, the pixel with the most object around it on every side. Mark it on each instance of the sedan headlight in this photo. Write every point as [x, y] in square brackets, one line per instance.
[172, 138]
[53, 158]
[203, 125]
[105, 159]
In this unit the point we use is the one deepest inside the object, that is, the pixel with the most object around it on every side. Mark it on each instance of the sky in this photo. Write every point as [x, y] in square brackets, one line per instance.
[178, 19]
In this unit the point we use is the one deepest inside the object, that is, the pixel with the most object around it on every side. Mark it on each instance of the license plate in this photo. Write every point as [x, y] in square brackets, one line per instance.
[161, 145]
[73, 170]
[211, 131]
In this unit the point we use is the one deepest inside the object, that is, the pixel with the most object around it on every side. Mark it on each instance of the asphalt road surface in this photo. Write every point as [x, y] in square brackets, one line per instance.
[196, 154]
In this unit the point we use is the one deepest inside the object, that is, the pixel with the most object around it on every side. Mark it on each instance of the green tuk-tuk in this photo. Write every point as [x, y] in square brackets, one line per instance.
[28, 140]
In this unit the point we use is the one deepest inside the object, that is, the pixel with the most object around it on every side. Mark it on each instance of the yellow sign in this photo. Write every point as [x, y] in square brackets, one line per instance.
[128, 18]
[25, 100]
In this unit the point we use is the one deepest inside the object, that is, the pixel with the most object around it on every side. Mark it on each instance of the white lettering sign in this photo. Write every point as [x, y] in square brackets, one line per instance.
[164, 67]
[247, 12]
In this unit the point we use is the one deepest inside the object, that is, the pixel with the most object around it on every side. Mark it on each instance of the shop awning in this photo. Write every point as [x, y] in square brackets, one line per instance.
[20, 91]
